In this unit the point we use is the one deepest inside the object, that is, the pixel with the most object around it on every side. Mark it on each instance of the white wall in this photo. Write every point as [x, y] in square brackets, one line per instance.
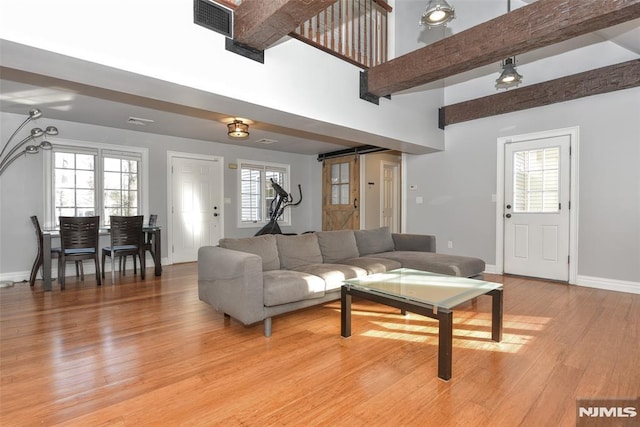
[457, 184]
[163, 42]
[22, 192]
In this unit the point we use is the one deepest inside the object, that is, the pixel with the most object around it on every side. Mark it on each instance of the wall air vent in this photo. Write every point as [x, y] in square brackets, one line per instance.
[139, 121]
[213, 16]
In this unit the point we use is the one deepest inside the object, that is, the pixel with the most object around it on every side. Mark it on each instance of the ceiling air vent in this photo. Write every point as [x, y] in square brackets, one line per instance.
[213, 16]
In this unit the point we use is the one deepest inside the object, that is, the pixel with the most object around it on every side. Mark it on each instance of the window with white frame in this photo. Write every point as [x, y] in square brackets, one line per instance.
[74, 183]
[257, 194]
[121, 184]
[94, 181]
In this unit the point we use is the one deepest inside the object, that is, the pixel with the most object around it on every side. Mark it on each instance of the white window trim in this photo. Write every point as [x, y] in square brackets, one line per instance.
[287, 184]
[49, 182]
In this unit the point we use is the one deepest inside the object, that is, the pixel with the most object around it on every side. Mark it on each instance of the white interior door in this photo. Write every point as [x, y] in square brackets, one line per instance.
[536, 208]
[390, 196]
[197, 206]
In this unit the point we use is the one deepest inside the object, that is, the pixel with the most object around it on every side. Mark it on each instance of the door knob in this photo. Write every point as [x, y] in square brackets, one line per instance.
[508, 206]
[508, 215]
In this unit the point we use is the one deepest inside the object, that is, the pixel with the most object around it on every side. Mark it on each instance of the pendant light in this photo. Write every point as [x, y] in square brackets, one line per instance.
[509, 77]
[437, 13]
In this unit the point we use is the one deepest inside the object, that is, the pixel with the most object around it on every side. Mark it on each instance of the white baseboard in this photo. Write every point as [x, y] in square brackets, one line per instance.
[491, 269]
[70, 271]
[609, 284]
[593, 282]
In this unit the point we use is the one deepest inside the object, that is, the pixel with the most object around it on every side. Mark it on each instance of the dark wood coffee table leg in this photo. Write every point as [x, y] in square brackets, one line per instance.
[345, 313]
[496, 314]
[445, 345]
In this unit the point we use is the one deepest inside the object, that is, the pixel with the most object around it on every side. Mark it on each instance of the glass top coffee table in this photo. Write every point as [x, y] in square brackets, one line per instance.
[428, 294]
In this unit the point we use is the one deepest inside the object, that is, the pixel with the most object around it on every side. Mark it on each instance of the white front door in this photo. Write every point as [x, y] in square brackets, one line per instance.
[196, 189]
[536, 207]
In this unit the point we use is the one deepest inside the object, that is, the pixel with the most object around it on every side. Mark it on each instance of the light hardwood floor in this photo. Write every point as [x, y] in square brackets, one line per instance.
[150, 353]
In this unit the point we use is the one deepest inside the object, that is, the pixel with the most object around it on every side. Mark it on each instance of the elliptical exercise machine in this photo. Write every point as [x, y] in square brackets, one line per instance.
[279, 203]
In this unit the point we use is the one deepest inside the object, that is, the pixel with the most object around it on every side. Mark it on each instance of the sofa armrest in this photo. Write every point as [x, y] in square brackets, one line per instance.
[231, 281]
[414, 242]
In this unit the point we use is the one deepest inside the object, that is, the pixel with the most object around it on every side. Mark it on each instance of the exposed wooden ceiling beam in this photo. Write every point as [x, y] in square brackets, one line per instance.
[537, 25]
[259, 24]
[602, 80]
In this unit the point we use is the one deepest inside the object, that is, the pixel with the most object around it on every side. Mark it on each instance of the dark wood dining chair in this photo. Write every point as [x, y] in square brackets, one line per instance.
[126, 239]
[147, 244]
[78, 241]
[55, 252]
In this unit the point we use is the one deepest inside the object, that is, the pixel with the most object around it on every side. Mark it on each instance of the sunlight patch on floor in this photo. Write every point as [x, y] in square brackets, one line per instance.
[476, 340]
[465, 334]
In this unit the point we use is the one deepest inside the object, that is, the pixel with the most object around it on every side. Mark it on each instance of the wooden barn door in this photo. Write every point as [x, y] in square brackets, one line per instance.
[341, 193]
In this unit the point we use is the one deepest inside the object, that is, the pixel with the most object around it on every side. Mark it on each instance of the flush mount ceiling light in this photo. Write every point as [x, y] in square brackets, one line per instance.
[238, 129]
[509, 77]
[437, 13]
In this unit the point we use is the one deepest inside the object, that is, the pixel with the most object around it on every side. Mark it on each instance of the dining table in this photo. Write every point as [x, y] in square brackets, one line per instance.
[155, 232]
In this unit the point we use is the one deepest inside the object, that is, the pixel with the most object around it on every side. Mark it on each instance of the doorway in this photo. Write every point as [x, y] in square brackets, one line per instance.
[195, 208]
[390, 195]
[537, 205]
[341, 193]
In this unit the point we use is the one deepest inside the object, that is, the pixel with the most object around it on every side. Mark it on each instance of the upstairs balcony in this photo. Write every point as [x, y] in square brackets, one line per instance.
[353, 30]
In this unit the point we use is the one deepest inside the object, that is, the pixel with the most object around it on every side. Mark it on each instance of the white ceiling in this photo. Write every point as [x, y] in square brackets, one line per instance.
[71, 101]
[84, 103]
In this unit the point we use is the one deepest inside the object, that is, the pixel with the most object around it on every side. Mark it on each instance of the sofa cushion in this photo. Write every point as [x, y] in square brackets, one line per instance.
[414, 242]
[285, 286]
[302, 249]
[452, 265]
[374, 241]
[264, 246]
[337, 245]
[373, 265]
[333, 274]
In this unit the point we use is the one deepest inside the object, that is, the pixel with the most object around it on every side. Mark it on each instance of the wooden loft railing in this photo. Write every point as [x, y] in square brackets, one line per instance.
[354, 30]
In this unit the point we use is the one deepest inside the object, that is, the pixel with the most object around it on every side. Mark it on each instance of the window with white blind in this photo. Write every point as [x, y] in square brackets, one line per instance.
[86, 181]
[257, 194]
[536, 180]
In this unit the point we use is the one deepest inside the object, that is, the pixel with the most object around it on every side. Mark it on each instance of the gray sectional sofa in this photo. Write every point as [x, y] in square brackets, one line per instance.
[255, 278]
